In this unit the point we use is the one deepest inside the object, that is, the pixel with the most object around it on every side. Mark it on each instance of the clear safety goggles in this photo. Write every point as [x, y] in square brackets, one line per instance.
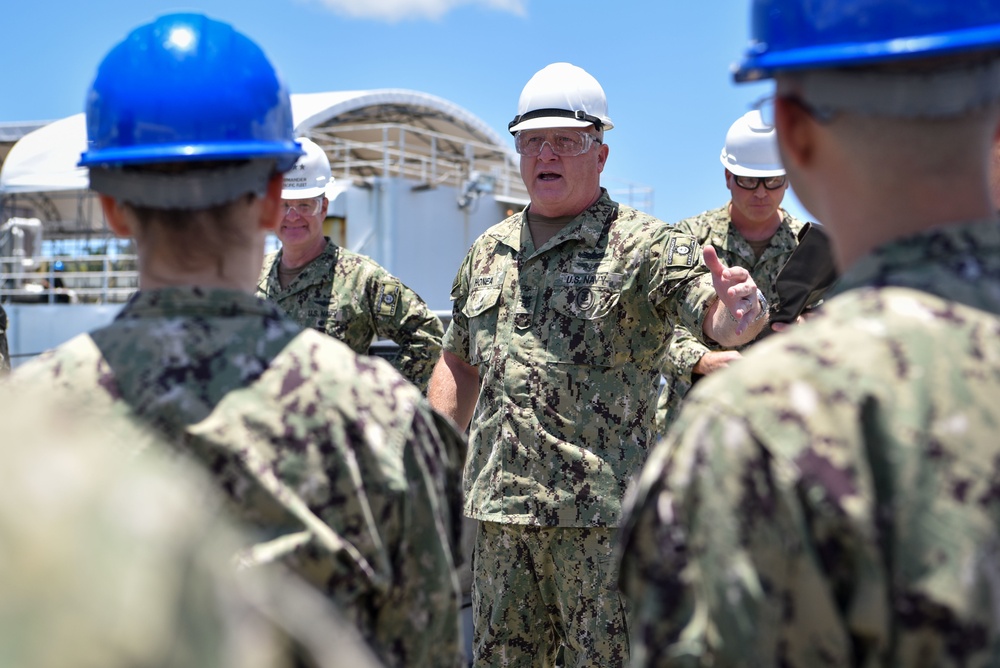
[751, 182]
[303, 207]
[564, 143]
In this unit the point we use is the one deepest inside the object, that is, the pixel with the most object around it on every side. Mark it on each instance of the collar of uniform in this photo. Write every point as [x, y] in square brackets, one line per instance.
[587, 227]
[324, 261]
[508, 231]
[720, 226]
[325, 257]
[785, 234]
[720, 221]
[970, 248]
[321, 265]
[195, 301]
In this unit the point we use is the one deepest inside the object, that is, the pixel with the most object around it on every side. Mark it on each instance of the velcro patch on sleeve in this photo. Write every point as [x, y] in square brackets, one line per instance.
[682, 250]
[388, 299]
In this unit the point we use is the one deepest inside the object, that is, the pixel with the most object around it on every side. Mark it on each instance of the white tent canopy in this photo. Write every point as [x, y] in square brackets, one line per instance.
[313, 109]
[45, 160]
[417, 177]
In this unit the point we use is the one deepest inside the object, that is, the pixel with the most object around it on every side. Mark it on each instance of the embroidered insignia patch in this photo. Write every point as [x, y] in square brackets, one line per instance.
[682, 251]
[388, 299]
[600, 280]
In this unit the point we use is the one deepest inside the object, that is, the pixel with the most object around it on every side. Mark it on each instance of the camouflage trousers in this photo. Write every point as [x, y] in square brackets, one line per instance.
[537, 591]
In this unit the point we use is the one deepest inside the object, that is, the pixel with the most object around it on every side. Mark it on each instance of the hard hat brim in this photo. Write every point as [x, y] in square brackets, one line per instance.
[284, 153]
[756, 66]
[546, 122]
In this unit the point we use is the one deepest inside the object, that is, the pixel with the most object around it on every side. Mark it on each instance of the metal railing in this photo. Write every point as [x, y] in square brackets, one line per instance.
[91, 279]
[422, 155]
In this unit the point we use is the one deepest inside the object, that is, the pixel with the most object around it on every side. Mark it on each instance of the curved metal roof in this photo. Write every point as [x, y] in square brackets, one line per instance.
[366, 134]
[315, 109]
[405, 133]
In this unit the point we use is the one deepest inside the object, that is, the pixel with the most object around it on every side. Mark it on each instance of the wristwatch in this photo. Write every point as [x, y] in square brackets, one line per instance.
[762, 301]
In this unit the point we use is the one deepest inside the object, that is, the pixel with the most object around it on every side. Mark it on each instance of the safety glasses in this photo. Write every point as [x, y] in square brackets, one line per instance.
[751, 182]
[303, 207]
[564, 143]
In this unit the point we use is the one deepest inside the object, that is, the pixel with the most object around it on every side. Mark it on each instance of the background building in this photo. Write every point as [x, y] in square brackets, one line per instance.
[417, 180]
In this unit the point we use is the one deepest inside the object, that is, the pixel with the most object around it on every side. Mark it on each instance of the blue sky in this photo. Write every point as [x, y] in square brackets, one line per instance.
[664, 65]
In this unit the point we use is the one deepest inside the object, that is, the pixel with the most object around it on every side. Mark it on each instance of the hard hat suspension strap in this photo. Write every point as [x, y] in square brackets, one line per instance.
[579, 115]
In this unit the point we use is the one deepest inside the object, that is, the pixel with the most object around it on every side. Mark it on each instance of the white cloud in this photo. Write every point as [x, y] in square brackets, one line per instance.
[397, 10]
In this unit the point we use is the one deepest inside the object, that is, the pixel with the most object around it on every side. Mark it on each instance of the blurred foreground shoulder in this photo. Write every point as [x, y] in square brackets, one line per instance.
[122, 558]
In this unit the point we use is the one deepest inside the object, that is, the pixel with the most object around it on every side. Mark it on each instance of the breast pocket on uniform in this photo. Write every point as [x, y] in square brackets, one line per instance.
[482, 309]
[584, 327]
[330, 320]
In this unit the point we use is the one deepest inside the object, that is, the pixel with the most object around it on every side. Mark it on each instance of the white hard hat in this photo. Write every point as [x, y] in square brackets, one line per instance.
[561, 95]
[310, 176]
[752, 148]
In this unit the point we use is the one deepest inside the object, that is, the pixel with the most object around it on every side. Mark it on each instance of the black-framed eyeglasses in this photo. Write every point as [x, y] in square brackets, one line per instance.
[751, 182]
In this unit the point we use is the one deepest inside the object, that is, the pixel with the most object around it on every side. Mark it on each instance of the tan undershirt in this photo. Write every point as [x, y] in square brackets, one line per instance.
[760, 246]
[286, 276]
[543, 228]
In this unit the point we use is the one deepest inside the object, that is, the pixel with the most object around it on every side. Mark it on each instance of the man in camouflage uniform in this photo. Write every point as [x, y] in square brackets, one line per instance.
[560, 320]
[4, 350]
[333, 462]
[123, 561]
[347, 295]
[750, 231]
[832, 499]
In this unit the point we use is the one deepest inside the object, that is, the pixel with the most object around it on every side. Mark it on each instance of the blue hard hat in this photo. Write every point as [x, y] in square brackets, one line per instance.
[818, 34]
[188, 88]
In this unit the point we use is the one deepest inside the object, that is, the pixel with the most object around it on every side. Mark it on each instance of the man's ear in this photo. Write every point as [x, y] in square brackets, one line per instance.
[602, 156]
[796, 131]
[114, 213]
[270, 206]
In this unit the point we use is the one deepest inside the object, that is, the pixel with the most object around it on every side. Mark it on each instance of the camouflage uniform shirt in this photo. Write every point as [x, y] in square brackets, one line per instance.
[354, 299]
[116, 556]
[833, 500]
[685, 349]
[568, 340]
[334, 461]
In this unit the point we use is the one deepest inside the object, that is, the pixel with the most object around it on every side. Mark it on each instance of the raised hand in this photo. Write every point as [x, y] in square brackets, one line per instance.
[736, 289]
